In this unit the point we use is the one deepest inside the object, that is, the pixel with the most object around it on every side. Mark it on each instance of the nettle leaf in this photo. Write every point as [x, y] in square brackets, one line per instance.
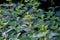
[42, 38]
[53, 18]
[28, 16]
[56, 27]
[42, 17]
[43, 27]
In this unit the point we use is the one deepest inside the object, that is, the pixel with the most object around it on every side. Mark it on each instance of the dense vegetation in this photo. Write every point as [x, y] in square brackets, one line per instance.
[29, 20]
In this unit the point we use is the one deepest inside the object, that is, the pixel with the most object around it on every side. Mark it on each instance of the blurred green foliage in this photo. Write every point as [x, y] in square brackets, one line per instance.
[27, 22]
